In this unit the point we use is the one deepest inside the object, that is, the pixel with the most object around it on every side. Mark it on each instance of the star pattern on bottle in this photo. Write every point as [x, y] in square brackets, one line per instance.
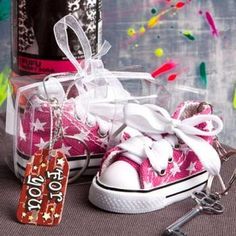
[22, 134]
[24, 214]
[46, 216]
[191, 168]
[37, 125]
[65, 149]
[175, 169]
[41, 145]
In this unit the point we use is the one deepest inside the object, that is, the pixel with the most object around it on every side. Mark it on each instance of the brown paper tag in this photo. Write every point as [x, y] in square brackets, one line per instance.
[44, 188]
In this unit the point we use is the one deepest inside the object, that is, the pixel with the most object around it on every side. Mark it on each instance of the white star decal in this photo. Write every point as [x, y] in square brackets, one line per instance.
[175, 169]
[148, 185]
[64, 129]
[46, 216]
[82, 136]
[185, 150]
[22, 134]
[38, 125]
[41, 145]
[65, 149]
[60, 162]
[56, 215]
[191, 168]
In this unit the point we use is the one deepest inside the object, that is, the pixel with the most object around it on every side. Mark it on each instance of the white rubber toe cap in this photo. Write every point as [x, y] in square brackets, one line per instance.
[121, 175]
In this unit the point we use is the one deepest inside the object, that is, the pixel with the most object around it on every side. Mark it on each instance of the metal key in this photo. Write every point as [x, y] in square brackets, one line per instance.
[208, 204]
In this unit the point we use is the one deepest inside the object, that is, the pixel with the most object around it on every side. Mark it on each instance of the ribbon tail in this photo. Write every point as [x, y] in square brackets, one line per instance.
[205, 152]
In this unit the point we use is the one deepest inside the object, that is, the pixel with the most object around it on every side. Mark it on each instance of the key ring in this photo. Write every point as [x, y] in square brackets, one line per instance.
[209, 203]
[54, 136]
[87, 160]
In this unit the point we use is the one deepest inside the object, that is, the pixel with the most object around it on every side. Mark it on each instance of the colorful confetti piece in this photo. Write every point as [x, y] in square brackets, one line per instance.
[172, 77]
[159, 52]
[179, 5]
[154, 11]
[4, 84]
[131, 32]
[203, 75]
[234, 99]
[155, 19]
[188, 34]
[4, 9]
[211, 23]
[142, 30]
[164, 68]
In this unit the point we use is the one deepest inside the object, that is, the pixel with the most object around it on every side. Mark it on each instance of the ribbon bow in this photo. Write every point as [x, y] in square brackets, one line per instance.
[155, 121]
[91, 68]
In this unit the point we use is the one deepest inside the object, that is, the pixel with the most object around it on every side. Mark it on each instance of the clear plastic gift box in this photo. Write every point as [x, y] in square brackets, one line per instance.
[40, 106]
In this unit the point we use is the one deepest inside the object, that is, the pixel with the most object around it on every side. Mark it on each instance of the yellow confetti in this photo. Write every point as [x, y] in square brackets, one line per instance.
[142, 30]
[159, 52]
[131, 32]
[187, 32]
[234, 99]
[153, 21]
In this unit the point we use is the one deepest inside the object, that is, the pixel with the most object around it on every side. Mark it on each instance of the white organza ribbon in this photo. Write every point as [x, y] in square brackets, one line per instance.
[155, 121]
[93, 81]
[91, 68]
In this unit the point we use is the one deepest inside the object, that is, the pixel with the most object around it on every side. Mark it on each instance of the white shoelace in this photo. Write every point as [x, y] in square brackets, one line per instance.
[102, 112]
[155, 121]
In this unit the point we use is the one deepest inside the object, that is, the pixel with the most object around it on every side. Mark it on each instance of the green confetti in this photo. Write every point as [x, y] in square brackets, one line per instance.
[234, 99]
[203, 75]
[188, 34]
[4, 84]
[154, 11]
[4, 9]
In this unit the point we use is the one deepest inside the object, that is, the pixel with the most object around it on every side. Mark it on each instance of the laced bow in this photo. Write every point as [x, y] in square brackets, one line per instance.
[155, 121]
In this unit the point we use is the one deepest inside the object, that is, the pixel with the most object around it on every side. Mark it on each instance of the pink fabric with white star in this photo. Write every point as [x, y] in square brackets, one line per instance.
[184, 164]
[34, 131]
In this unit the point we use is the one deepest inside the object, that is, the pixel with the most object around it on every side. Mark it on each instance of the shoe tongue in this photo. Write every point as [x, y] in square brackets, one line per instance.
[190, 108]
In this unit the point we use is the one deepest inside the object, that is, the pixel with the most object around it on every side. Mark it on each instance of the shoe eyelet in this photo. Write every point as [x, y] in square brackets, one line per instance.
[89, 124]
[177, 146]
[102, 135]
[170, 160]
[162, 172]
[77, 117]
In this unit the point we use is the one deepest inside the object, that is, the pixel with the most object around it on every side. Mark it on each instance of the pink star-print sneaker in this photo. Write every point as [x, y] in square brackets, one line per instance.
[172, 158]
[85, 129]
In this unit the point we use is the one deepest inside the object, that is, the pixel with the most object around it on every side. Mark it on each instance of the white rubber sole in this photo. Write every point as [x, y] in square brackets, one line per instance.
[142, 201]
[75, 165]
